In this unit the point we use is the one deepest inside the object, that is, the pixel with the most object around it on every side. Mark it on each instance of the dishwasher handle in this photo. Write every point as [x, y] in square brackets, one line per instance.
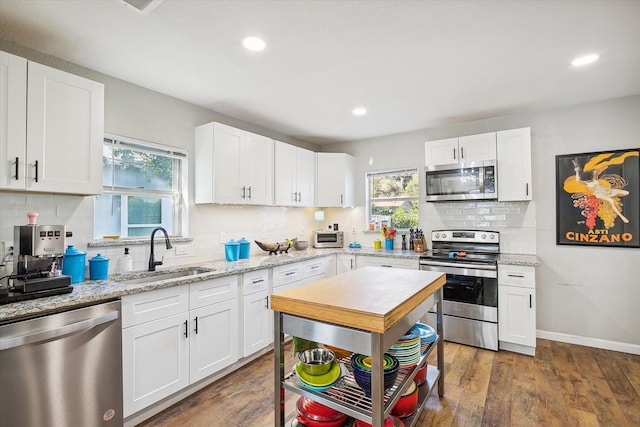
[71, 328]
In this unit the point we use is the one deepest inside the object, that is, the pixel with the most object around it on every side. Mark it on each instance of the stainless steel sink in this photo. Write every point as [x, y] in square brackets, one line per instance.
[166, 275]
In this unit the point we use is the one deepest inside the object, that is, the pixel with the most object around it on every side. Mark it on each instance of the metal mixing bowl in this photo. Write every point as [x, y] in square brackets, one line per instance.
[316, 361]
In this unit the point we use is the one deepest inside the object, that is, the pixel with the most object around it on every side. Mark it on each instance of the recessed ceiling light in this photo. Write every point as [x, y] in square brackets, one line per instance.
[359, 111]
[584, 60]
[254, 44]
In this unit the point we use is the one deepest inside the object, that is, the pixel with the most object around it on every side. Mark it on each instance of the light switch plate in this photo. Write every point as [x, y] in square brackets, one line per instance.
[182, 250]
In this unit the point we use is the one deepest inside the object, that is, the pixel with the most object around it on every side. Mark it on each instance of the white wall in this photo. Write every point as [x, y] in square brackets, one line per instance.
[584, 294]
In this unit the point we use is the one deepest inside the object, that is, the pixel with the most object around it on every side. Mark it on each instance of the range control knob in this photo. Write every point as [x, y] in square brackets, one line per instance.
[444, 235]
[437, 235]
[483, 236]
[493, 236]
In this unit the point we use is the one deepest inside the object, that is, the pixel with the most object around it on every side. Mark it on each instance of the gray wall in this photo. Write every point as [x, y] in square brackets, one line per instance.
[584, 294]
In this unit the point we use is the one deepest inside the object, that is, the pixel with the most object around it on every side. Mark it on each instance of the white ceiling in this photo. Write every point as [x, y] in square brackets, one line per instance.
[412, 64]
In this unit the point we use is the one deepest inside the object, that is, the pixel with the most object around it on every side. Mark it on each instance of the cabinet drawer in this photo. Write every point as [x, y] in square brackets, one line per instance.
[255, 281]
[285, 274]
[517, 275]
[153, 305]
[213, 291]
[314, 267]
[376, 261]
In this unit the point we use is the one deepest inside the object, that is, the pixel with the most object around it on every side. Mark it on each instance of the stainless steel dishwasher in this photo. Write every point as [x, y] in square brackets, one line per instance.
[63, 369]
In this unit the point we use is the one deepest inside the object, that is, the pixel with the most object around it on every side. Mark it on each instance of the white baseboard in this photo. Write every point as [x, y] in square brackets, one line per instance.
[589, 342]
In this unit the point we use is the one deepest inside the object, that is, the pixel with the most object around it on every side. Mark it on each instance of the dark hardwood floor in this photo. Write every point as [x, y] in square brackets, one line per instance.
[563, 385]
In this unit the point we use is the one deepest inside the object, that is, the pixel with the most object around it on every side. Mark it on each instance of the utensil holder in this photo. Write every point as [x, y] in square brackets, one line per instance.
[388, 244]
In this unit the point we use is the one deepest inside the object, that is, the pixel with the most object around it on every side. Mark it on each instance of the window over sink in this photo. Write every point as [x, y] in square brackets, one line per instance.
[144, 187]
[392, 199]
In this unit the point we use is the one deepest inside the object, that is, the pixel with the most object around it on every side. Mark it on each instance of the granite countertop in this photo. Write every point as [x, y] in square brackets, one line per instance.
[519, 259]
[96, 291]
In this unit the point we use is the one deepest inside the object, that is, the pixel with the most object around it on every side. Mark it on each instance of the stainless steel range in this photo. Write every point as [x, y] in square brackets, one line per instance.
[470, 306]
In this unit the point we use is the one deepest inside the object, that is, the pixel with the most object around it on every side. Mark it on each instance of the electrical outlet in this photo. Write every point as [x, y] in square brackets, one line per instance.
[223, 237]
[302, 232]
[353, 230]
[182, 250]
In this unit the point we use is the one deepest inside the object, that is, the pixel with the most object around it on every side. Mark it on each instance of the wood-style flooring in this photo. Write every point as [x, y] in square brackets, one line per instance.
[563, 385]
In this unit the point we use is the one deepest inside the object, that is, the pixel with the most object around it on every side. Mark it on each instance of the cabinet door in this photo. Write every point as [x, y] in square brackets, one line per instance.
[155, 361]
[257, 166]
[517, 315]
[441, 152]
[345, 263]
[514, 165]
[306, 176]
[214, 339]
[217, 163]
[477, 147]
[286, 193]
[65, 126]
[334, 179]
[13, 121]
[257, 333]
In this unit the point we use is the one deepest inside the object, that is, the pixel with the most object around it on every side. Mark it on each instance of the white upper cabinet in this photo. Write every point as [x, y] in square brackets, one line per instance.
[464, 149]
[232, 166]
[294, 175]
[334, 179]
[514, 165]
[13, 121]
[64, 116]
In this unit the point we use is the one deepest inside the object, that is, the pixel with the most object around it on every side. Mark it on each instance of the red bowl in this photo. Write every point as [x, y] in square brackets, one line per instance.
[312, 423]
[421, 375]
[388, 422]
[312, 410]
[408, 402]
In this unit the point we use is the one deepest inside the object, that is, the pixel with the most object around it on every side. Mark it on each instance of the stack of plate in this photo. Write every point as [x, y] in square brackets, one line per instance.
[407, 348]
[427, 333]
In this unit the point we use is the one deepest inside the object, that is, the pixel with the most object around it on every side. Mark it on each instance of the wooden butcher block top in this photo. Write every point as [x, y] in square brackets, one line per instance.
[371, 298]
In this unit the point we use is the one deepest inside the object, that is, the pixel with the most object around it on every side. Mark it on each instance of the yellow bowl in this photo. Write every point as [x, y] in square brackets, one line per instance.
[367, 362]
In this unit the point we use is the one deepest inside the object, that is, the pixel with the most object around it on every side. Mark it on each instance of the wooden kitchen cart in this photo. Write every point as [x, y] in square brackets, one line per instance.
[364, 311]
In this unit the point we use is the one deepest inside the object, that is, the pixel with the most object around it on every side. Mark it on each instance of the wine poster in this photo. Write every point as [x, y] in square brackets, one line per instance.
[598, 199]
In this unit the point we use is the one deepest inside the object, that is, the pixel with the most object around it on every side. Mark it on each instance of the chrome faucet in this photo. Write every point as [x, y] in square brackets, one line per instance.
[152, 259]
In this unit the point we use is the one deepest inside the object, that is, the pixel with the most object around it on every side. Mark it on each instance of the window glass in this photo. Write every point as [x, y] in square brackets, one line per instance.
[142, 189]
[392, 199]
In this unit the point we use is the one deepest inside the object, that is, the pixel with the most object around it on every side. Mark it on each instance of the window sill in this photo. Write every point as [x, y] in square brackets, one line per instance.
[103, 243]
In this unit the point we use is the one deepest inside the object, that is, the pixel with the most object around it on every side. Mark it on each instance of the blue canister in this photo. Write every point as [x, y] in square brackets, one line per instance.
[245, 246]
[388, 244]
[98, 267]
[232, 250]
[73, 264]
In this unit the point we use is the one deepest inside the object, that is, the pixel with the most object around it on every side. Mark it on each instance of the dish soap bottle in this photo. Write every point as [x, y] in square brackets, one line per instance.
[127, 262]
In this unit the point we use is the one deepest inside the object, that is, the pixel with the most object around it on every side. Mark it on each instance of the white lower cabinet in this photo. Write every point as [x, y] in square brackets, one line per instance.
[345, 262]
[517, 309]
[166, 346]
[256, 315]
[377, 261]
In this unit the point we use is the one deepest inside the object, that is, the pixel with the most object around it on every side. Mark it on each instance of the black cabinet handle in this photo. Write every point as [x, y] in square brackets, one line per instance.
[249, 192]
[17, 162]
[266, 303]
[462, 152]
[527, 189]
[195, 320]
[243, 192]
[454, 154]
[530, 301]
[186, 329]
[36, 165]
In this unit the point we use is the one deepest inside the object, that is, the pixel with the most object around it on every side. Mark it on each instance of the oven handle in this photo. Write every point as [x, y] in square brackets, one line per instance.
[460, 269]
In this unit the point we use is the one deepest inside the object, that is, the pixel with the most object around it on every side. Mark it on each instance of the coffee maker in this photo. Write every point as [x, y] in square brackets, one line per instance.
[38, 250]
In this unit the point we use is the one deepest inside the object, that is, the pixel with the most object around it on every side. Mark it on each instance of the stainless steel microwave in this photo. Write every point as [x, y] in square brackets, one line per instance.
[463, 181]
[328, 239]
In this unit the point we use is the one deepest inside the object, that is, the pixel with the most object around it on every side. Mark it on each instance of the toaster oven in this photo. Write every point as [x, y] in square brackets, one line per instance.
[328, 239]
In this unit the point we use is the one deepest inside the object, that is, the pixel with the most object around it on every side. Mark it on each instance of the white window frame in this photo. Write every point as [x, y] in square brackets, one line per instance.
[368, 199]
[178, 210]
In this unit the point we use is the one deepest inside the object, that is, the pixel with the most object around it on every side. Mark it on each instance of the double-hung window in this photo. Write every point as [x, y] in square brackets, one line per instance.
[144, 187]
[392, 199]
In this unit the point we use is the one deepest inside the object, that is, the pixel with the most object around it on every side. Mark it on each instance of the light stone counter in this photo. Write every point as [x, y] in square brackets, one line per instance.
[518, 259]
[97, 291]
